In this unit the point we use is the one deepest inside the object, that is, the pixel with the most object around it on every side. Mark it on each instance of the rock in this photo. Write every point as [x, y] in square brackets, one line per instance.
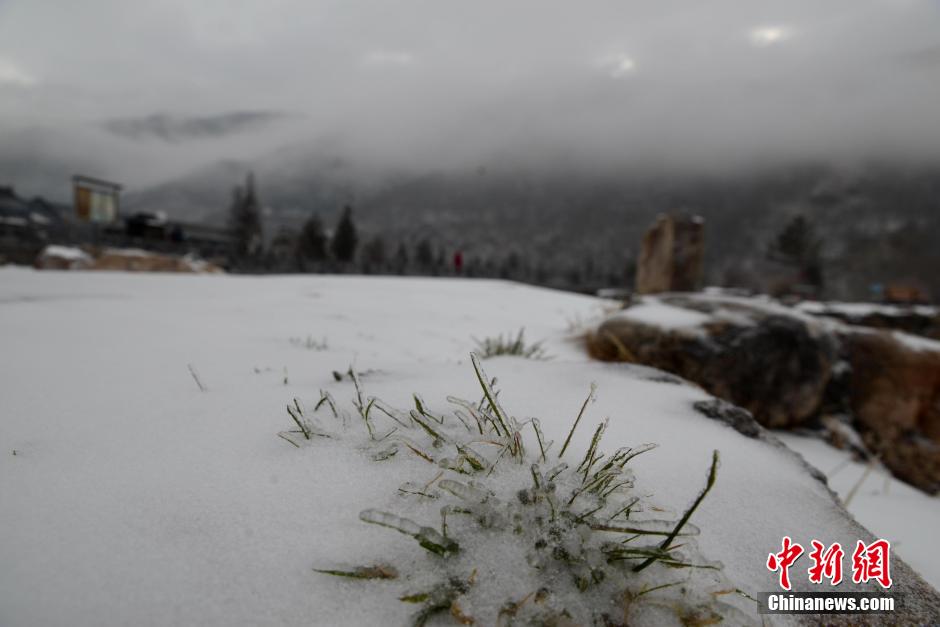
[895, 400]
[134, 260]
[125, 259]
[671, 256]
[138, 261]
[63, 258]
[738, 419]
[775, 368]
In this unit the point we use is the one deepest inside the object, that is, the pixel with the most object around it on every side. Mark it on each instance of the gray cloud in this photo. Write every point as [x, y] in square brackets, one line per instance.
[646, 84]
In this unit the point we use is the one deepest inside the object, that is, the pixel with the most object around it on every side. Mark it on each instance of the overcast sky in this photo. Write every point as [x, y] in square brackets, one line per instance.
[152, 88]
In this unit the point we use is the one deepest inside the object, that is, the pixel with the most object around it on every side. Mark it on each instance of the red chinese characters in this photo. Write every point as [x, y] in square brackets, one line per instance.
[872, 562]
[826, 563]
[869, 562]
[783, 560]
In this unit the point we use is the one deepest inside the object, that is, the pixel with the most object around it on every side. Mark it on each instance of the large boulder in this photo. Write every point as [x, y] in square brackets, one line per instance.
[774, 366]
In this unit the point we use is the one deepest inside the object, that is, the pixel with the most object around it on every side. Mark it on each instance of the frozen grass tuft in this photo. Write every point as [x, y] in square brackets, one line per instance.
[309, 343]
[525, 537]
[509, 345]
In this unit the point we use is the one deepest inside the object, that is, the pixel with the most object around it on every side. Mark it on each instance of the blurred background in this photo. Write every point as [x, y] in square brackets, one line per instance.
[532, 141]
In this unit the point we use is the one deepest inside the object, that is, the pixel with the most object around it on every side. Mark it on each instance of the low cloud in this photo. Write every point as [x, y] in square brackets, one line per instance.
[12, 74]
[171, 128]
[663, 85]
[388, 58]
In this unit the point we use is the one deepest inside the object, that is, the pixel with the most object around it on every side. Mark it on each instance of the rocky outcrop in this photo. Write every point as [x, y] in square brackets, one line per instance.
[790, 370]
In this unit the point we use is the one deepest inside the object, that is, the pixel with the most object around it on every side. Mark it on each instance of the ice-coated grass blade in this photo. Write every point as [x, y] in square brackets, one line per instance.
[325, 397]
[589, 398]
[490, 395]
[429, 538]
[709, 482]
[543, 447]
[379, 571]
[299, 421]
[280, 435]
[390, 412]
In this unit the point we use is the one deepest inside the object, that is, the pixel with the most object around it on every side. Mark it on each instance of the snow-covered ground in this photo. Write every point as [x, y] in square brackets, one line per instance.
[129, 496]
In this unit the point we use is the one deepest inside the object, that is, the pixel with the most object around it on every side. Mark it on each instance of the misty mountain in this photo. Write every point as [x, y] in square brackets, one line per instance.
[878, 223]
[172, 128]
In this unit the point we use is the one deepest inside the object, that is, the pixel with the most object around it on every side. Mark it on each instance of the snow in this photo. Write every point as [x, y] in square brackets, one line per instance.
[886, 506]
[65, 252]
[128, 252]
[135, 498]
[916, 342]
[14, 220]
[859, 310]
[653, 312]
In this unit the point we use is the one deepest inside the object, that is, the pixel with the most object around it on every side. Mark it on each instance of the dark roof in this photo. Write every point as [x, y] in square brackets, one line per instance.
[11, 204]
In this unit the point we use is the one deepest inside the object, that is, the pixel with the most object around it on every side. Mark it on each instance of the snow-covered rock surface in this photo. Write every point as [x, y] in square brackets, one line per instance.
[888, 507]
[129, 496]
[859, 310]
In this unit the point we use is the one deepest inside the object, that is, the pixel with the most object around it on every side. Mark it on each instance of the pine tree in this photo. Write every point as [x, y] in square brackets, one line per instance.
[345, 239]
[312, 244]
[374, 253]
[424, 255]
[797, 246]
[245, 223]
[401, 259]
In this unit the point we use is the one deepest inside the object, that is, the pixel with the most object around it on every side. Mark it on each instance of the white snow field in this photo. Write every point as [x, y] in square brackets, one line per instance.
[128, 496]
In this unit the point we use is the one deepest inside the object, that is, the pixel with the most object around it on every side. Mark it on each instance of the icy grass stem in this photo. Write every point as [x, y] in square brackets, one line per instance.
[379, 571]
[490, 395]
[712, 473]
[429, 539]
[325, 397]
[589, 398]
[298, 419]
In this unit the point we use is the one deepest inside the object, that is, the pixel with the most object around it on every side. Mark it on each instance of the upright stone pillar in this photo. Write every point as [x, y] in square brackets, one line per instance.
[671, 256]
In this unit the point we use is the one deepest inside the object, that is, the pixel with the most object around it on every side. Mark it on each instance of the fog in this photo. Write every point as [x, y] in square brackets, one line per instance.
[144, 91]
